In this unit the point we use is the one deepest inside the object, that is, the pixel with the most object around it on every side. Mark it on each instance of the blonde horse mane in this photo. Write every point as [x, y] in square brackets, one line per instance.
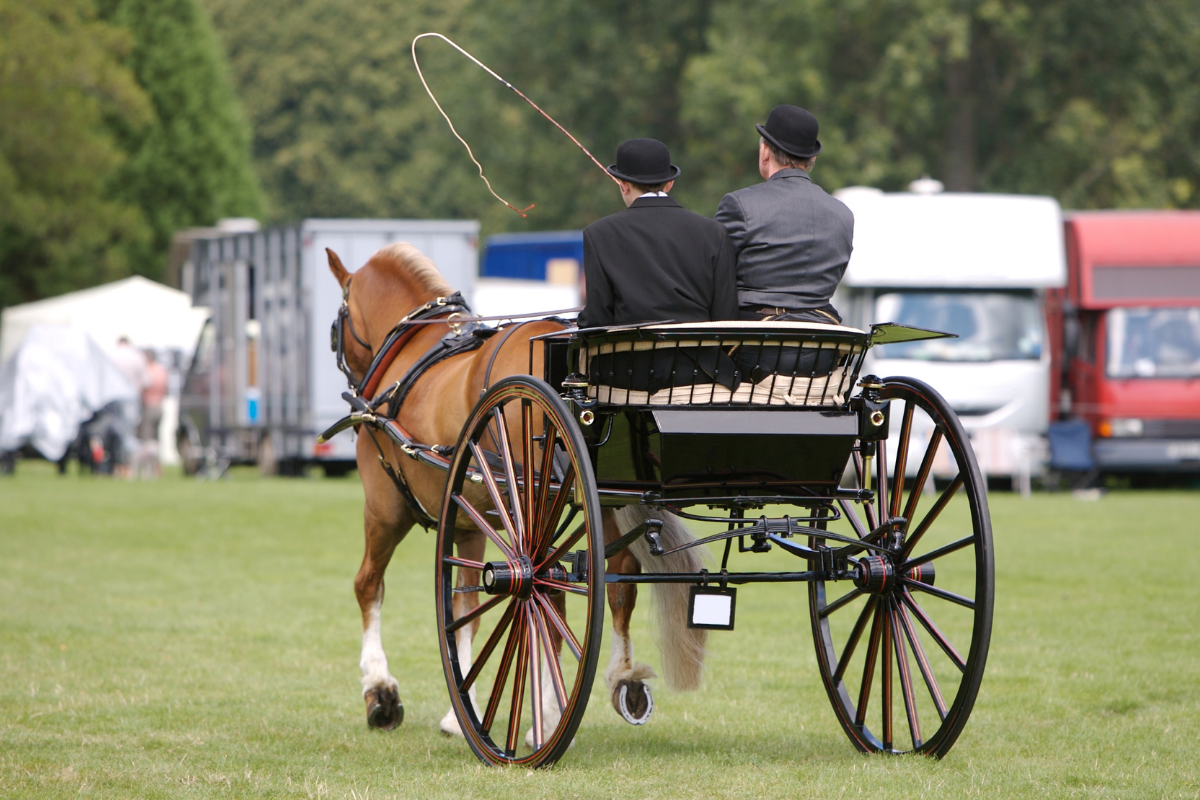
[416, 268]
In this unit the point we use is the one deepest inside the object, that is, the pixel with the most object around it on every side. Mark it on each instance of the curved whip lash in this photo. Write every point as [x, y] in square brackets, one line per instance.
[518, 92]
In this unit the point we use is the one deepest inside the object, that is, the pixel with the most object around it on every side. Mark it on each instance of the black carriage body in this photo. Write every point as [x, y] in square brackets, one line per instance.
[699, 412]
[701, 453]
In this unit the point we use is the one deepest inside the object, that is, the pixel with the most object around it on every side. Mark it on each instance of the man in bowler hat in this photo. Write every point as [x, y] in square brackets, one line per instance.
[654, 261]
[793, 240]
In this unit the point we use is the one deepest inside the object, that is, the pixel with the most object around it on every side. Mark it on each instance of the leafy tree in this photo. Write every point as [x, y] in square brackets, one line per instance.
[60, 78]
[119, 129]
[191, 165]
[1094, 103]
[337, 113]
[343, 126]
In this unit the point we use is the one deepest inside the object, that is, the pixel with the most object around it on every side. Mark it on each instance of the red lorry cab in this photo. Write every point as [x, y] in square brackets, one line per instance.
[1129, 353]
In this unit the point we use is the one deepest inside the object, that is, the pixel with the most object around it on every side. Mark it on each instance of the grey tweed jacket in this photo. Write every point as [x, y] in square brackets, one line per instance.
[792, 240]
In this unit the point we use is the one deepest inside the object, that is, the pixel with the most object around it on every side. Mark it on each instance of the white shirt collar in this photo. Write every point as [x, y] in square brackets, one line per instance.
[652, 194]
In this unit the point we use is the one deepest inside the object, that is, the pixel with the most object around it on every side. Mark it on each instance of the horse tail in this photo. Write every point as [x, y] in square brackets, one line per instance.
[683, 648]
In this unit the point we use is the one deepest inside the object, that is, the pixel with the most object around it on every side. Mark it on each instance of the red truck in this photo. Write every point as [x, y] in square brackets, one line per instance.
[1126, 338]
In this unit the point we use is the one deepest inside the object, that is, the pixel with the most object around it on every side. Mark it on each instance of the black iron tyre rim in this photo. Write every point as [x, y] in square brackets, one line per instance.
[916, 624]
[533, 538]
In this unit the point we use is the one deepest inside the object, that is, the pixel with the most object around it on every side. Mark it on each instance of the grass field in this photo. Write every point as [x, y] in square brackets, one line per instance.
[179, 639]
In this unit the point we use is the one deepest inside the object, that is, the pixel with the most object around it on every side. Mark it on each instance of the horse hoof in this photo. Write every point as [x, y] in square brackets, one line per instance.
[384, 709]
[633, 701]
[449, 724]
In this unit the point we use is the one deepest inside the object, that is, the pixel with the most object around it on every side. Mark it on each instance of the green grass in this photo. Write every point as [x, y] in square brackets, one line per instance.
[177, 639]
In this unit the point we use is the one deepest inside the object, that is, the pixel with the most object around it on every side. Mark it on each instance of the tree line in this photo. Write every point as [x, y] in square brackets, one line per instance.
[118, 125]
[1094, 102]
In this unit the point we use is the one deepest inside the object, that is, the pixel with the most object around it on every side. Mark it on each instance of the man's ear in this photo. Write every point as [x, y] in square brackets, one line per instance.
[667, 187]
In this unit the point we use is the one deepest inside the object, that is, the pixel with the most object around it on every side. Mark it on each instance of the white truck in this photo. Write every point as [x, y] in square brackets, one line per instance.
[977, 265]
[263, 383]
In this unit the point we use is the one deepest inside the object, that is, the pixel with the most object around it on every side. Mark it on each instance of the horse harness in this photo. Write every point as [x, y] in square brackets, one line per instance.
[464, 337]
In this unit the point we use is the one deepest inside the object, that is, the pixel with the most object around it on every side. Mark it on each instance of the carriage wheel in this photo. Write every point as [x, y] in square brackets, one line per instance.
[902, 649]
[536, 595]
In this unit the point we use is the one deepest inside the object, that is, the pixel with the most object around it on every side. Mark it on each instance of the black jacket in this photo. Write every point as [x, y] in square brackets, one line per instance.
[657, 261]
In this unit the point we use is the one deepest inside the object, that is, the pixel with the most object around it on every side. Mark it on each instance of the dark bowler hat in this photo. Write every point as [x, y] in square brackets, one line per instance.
[644, 161]
[793, 130]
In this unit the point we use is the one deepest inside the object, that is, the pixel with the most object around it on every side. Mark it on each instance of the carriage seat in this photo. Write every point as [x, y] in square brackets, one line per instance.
[722, 363]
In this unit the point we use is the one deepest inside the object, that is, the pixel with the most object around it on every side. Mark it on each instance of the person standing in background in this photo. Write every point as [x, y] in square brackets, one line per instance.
[154, 389]
[132, 364]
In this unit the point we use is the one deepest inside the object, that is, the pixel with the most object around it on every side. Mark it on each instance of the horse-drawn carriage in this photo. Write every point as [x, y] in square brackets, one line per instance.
[765, 434]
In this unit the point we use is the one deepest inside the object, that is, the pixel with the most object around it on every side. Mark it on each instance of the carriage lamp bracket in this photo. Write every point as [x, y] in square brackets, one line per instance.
[576, 385]
[608, 429]
[871, 384]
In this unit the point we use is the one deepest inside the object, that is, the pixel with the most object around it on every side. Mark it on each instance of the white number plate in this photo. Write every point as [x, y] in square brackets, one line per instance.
[711, 608]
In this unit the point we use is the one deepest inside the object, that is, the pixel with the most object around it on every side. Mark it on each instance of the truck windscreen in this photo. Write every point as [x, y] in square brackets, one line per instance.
[991, 326]
[1153, 343]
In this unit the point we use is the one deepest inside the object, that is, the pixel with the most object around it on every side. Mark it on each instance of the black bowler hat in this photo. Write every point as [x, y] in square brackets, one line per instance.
[793, 130]
[644, 161]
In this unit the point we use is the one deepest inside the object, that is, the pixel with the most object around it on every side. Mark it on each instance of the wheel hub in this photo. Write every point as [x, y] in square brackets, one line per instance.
[875, 574]
[509, 577]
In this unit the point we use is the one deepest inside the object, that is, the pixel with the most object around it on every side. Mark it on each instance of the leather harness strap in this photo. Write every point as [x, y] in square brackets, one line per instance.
[362, 395]
[401, 334]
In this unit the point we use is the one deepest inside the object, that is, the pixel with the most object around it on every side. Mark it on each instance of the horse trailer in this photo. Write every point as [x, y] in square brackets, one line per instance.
[262, 385]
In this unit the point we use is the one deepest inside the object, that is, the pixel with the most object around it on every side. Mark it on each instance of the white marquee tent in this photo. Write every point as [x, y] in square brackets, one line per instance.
[55, 381]
[148, 313]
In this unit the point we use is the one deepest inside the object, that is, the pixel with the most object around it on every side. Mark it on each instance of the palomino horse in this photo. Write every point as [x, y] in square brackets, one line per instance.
[397, 280]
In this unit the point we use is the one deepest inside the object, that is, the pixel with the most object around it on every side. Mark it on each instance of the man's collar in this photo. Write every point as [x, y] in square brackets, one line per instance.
[655, 202]
[791, 172]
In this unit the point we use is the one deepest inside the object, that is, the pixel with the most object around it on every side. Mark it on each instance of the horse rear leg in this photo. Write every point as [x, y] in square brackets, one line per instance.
[625, 678]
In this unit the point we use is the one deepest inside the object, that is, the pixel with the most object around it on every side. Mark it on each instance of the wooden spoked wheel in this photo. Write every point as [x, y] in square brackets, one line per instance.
[532, 602]
[902, 648]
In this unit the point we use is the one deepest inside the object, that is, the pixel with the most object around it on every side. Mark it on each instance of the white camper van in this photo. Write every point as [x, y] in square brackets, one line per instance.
[976, 265]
